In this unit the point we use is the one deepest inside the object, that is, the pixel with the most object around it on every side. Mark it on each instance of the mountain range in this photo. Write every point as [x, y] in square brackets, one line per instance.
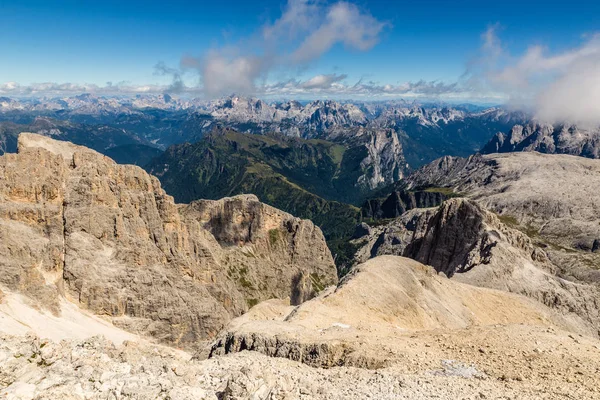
[321, 160]
[426, 131]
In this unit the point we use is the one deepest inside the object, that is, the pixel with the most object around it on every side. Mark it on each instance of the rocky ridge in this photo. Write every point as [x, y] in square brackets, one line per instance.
[395, 314]
[547, 138]
[106, 237]
[465, 242]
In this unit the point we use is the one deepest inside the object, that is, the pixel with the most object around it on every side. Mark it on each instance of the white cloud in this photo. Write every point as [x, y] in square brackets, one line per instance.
[305, 31]
[574, 96]
[334, 85]
[344, 23]
[560, 86]
[222, 75]
[58, 89]
[177, 86]
[322, 81]
[316, 86]
[297, 18]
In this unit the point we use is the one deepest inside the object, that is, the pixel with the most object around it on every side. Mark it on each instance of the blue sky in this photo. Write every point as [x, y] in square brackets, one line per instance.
[83, 42]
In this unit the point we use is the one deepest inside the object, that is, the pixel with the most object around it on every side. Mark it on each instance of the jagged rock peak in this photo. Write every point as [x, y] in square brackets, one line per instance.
[547, 138]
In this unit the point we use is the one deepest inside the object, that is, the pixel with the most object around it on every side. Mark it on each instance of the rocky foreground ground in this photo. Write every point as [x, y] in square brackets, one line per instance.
[419, 336]
[458, 365]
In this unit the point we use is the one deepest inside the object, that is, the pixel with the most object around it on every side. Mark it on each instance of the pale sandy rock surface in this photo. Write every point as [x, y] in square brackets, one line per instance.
[397, 314]
[19, 316]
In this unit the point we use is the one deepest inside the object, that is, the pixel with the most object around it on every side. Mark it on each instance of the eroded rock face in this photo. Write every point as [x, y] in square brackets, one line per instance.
[551, 197]
[452, 237]
[547, 138]
[73, 223]
[468, 243]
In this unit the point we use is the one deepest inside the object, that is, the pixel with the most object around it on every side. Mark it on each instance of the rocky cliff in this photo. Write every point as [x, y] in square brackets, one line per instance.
[547, 138]
[465, 242]
[75, 225]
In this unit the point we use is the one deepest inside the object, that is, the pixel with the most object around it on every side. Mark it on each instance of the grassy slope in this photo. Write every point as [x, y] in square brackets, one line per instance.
[136, 154]
[286, 173]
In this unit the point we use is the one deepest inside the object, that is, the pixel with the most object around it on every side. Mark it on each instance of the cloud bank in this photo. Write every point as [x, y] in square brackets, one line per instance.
[305, 31]
[562, 86]
[327, 85]
[60, 89]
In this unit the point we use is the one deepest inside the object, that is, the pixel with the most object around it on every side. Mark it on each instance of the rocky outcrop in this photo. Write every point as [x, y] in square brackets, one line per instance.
[75, 224]
[384, 163]
[455, 238]
[378, 151]
[318, 354]
[552, 197]
[556, 191]
[398, 202]
[392, 237]
[465, 242]
[547, 138]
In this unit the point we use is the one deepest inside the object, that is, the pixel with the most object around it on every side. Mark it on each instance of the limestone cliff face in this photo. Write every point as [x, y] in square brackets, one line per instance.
[547, 138]
[74, 223]
[385, 162]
